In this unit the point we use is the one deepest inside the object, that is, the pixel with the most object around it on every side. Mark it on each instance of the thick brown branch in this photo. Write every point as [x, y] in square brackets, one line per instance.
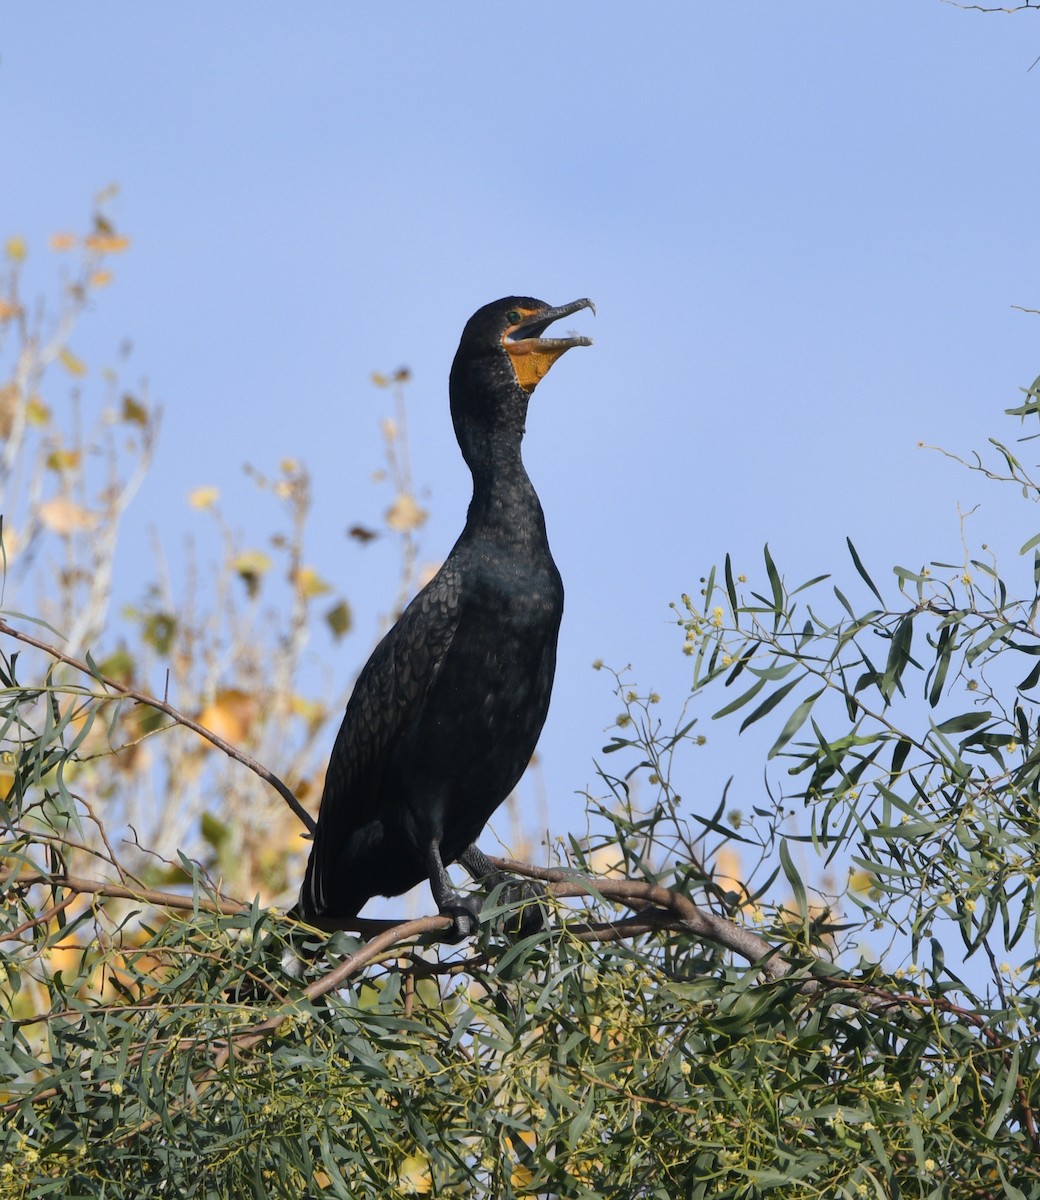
[728, 934]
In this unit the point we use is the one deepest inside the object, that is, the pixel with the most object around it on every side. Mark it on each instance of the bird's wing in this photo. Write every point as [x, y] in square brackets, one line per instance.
[389, 691]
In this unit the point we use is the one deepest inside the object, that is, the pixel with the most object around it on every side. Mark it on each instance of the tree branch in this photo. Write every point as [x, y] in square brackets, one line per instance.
[174, 714]
[723, 932]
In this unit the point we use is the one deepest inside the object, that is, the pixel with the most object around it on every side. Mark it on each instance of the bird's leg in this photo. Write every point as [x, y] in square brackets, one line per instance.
[480, 866]
[463, 910]
[525, 893]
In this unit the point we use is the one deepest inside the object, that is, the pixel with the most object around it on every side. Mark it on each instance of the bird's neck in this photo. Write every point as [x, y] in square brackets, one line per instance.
[504, 502]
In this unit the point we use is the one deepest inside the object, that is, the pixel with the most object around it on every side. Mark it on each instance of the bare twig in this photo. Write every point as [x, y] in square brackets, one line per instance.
[175, 714]
[117, 891]
[992, 8]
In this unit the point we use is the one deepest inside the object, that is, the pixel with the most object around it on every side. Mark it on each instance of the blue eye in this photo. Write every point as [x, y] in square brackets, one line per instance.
[513, 317]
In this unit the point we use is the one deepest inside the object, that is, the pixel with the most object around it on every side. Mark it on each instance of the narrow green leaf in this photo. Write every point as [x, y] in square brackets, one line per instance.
[709, 590]
[775, 673]
[899, 755]
[898, 656]
[772, 701]
[774, 582]
[863, 570]
[740, 700]
[964, 722]
[795, 722]
[844, 603]
[809, 583]
[944, 653]
[1006, 1093]
[746, 655]
[731, 587]
[999, 634]
[94, 669]
[794, 879]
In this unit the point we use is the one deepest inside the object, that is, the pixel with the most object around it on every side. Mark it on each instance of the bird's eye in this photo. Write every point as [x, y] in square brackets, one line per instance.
[513, 317]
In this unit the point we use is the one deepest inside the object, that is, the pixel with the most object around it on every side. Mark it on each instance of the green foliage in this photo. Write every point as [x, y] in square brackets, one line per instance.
[569, 1064]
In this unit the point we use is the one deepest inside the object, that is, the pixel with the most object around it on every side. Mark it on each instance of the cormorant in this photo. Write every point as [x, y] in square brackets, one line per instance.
[446, 713]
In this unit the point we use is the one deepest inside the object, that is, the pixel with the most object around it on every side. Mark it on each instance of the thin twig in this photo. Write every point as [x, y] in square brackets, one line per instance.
[180, 718]
[118, 891]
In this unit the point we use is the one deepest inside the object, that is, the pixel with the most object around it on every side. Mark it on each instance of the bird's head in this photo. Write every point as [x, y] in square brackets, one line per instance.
[510, 332]
[503, 356]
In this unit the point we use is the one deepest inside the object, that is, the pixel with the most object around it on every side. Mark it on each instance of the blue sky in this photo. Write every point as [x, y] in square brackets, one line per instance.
[804, 227]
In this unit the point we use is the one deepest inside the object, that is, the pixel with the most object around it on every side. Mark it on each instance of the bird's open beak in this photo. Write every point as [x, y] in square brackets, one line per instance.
[531, 354]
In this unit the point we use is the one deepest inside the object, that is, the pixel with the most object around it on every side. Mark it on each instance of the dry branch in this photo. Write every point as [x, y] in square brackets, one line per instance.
[174, 714]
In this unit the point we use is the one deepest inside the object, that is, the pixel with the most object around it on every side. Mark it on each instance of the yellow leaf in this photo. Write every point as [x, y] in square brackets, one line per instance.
[861, 881]
[252, 562]
[404, 514]
[727, 871]
[72, 364]
[389, 428]
[100, 279]
[310, 583]
[380, 380]
[16, 249]
[290, 466]
[413, 1175]
[62, 241]
[63, 460]
[339, 619]
[231, 715]
[251, 566]
[134, 412]
[64, 517]
[203, 497]
[8, 310]
[607, 861]
[522, 1177]
[310, 710]
[106, 243]
[10, 394]
[6, 775]
[36, 412]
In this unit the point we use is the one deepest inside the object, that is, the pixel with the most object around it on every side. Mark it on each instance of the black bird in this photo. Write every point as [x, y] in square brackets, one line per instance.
[446, 713]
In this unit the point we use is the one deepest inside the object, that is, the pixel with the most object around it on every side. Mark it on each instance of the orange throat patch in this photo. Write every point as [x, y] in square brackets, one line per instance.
[531, 360]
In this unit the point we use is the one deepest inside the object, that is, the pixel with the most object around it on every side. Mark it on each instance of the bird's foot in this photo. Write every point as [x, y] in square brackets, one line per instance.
[530, 915]
[525, 895]
[465, 915]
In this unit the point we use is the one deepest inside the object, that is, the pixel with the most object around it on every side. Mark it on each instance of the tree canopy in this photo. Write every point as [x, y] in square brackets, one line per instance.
[834, 994]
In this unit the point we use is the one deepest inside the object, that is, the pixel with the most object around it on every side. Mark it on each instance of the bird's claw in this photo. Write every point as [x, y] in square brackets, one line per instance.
[526, 896]
[465, 917]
